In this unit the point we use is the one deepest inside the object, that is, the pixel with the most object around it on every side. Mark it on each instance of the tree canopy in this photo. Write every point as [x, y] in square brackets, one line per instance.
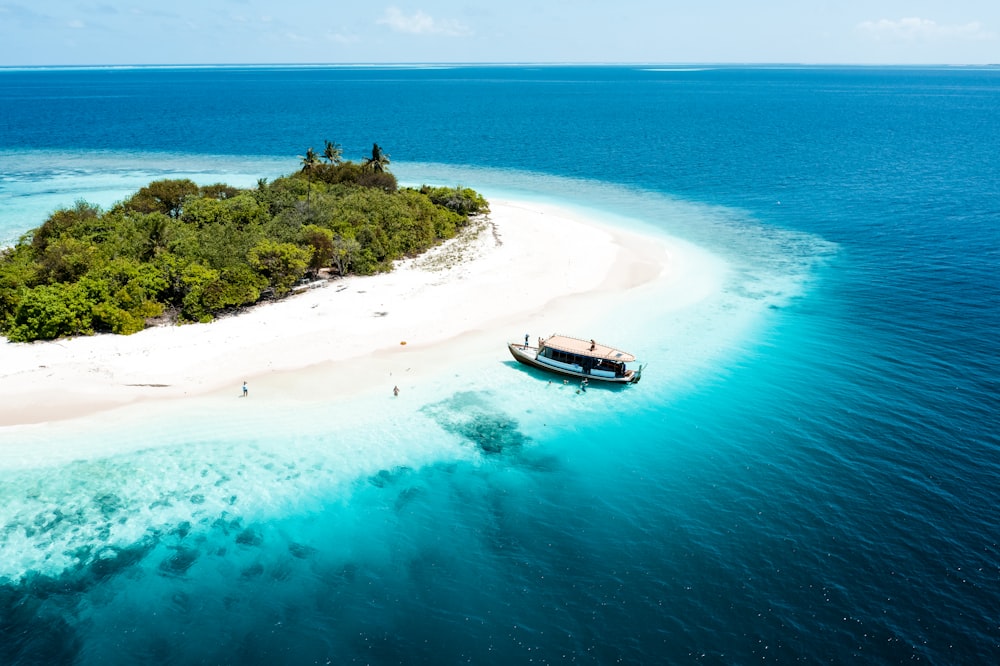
[176, 251]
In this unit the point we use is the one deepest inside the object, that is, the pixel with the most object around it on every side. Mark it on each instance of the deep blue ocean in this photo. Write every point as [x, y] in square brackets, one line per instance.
[809, 471]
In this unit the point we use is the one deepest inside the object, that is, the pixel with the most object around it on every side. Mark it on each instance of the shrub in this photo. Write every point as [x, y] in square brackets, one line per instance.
[51, 311]
[283, 264]
[461, 200]
[162, 196]
[61, 222]
[321, 242]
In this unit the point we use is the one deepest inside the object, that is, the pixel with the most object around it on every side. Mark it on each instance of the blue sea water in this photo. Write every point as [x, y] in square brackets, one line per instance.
[808, 472]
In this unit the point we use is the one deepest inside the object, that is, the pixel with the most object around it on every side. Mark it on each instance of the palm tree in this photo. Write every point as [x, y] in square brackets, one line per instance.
[309, 162]
[333, 152]
[378, 161]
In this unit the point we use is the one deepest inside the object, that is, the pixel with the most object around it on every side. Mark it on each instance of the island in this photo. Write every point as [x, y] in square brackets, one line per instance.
[387, 315]
[175, 252]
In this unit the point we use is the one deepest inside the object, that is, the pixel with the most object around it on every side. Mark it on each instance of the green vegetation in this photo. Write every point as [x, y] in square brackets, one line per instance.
[174, 251]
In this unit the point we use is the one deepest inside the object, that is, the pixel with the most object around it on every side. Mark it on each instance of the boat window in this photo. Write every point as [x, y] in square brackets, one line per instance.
[561, 356]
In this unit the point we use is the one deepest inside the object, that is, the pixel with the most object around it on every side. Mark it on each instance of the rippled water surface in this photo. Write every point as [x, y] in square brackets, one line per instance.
[808, 470]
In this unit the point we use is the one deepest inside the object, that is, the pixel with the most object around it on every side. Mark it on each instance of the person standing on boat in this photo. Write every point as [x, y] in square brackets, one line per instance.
[526, 337]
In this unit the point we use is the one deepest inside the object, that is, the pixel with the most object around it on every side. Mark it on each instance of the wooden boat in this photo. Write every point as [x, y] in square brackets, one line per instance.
[582, 359]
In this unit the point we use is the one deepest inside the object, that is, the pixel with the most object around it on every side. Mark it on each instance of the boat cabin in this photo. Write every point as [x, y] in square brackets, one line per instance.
[587, 357]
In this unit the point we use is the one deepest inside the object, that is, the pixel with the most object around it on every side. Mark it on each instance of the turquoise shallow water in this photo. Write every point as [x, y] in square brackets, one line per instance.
[807, 472]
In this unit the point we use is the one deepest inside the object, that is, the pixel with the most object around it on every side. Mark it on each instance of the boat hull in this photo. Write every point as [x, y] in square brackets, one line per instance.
[527, 355]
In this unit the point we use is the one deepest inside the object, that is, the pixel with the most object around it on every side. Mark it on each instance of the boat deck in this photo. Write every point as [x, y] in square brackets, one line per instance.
[587, 348]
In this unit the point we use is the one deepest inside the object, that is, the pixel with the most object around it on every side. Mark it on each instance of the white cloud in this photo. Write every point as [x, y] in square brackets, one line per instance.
[924, 30]
[421, 24]
[342, 39]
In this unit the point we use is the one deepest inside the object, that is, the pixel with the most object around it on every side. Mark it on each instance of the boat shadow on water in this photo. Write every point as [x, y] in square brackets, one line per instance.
[559, 381]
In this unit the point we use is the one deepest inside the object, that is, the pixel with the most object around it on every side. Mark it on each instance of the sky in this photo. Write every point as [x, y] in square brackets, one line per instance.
[181, 32]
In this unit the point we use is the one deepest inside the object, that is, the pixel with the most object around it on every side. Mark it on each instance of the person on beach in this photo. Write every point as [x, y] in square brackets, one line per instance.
[592, 345]
[395, 390]
[244, 389]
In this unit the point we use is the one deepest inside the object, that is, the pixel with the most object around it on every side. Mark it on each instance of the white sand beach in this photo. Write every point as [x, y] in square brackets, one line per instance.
[532, 268]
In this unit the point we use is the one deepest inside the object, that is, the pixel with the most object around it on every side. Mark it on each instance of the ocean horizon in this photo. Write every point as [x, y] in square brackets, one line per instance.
[807, 471]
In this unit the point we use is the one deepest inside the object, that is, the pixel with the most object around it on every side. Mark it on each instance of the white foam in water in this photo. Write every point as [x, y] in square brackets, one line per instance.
[71, 488]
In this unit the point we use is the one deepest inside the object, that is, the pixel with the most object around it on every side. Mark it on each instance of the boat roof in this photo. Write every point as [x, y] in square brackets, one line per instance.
[582, 347]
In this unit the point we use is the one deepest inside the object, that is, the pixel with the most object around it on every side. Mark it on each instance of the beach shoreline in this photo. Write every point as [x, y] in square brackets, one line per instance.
[532, 267]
